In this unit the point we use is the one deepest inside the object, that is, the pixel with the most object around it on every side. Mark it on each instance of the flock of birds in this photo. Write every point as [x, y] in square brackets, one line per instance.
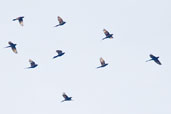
[61, 53]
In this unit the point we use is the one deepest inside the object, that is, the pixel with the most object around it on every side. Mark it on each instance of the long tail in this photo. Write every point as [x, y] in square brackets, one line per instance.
[56, 25]
[104, 38]
[27, 68]
[99, 67]
[62, 100]
[7, 47]
[14, 19]
[55, 57]
[149, 60]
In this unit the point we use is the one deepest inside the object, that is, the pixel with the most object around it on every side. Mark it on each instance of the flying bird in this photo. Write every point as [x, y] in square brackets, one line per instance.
[155, 59]
[66, 98]
[61, 22]
[12, 46]
[32, 64]
[103, 64]
[60, 53]
[20, 19]
[108, 35]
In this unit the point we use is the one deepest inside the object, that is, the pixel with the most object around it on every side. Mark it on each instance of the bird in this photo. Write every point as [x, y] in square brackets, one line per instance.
[66, 98]
[61, 22]
[155, 59]
[12, 46]
[32, 64]
[108, 35]
[60, 53]
[20, 19]
[103, 64]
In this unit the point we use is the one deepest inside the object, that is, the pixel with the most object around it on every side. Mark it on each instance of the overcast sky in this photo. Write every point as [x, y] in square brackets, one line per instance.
[128, 85]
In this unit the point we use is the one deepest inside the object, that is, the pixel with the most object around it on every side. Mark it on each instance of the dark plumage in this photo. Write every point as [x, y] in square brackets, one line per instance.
[60, 53]
[32, 64]
[155, 59]
[108, 35]
[20, 19]
[61, 22]
[103, 64]
[12, 46]
[66, 98]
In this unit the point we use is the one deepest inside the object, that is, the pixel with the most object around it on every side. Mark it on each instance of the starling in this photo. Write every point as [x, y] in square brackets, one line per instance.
[12, 46]
[20, 19]
[108, 35]
[66, 98]
[61, 22]
[103, 64]
[155, 59]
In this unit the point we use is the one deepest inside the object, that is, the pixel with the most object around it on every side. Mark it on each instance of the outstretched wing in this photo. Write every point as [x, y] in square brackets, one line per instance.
[65, 96]
[106, 32]
[21, 21]
[32, 63]
[14, 49]
[10, 43]
[102, 61]
[158, 62]
[60, 20]
[152, 56]
[59, 52]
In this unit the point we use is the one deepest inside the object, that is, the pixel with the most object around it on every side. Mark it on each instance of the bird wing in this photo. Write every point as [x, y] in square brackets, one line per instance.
[32, 63]
[14, 49]
[106, 32]
[21, 21]
[10, 43]
[59, 51]
[157, 61]
[60, 20]
[102, 61]
[152, 56]
[65, 96]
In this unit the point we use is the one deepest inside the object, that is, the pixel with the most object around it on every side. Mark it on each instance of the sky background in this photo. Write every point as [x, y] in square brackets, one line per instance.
[128, 85]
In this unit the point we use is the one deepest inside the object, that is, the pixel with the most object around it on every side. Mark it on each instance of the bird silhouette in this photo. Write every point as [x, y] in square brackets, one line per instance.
[12, 46]
[66, 98]
[20, 19]
[60, 53]
[103, 64]
[32, 64]
[108, 35]
[155, 59]
[61, 22]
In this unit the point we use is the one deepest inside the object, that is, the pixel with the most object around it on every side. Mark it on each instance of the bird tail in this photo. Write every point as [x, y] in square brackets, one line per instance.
[98, 67]
[148, 60]
[104, 38]
[27, 68]
[7, 47]
[56, 25]
[62, 100]
[55, 57]
[14, 19]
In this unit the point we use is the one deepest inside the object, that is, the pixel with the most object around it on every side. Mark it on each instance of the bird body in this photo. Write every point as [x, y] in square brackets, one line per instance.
[13, 46]
[155, 59]
[60, 53]
[66, 98]
[20, 19]
[61, 22]
[103, 64]
[108, 35]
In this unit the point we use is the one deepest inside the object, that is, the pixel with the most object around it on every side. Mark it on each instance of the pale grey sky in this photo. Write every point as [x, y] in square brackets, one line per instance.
[128, 85]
